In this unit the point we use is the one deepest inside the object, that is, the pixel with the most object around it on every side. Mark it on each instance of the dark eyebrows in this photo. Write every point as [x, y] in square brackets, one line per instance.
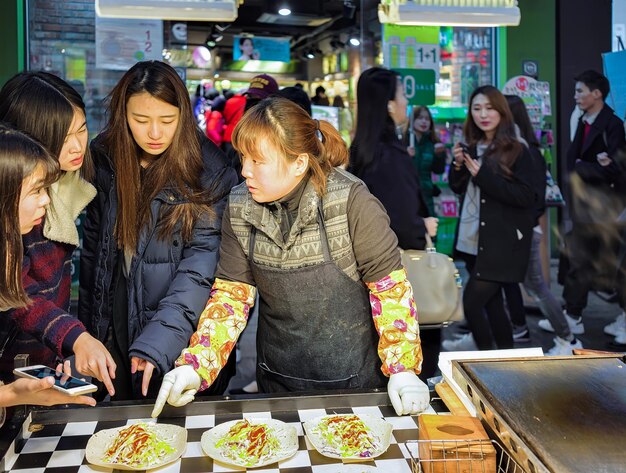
[135, 114]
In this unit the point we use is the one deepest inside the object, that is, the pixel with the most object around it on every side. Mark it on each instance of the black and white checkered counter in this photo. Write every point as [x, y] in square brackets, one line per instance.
[59, 446]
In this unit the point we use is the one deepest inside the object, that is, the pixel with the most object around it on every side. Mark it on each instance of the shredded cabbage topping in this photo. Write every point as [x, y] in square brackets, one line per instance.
[248, 444]
[347, 435]
[138, 446]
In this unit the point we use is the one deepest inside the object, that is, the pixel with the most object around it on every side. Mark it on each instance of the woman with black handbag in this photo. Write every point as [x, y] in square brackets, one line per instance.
[378, 157]
[494, 173]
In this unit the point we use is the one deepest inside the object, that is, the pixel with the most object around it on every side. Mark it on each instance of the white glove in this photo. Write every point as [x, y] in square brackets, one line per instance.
[178, 388]
[408, 394]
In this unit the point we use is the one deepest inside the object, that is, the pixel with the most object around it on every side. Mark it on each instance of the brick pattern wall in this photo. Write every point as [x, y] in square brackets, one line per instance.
[62, 20]
[62, 39]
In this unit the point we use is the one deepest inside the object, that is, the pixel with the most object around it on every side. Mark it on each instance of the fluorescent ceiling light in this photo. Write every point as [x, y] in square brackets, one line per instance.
[181, 10]
[450, 12]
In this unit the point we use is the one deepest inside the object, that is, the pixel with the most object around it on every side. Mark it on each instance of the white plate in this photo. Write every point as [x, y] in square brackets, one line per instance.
[286, 434]
[100, 442]
[379, 429]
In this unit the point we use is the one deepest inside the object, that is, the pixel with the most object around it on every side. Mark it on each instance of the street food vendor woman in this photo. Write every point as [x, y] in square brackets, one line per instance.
[317, 246]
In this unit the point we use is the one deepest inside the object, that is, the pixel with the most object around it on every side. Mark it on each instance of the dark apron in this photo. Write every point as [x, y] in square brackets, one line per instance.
[315, 328]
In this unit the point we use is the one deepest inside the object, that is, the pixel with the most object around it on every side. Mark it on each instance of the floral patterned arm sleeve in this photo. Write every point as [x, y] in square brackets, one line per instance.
[395, 318]
[222, 321]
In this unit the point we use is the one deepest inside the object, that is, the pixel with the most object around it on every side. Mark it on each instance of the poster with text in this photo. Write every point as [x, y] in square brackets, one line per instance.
[120, 43]
[411, 47]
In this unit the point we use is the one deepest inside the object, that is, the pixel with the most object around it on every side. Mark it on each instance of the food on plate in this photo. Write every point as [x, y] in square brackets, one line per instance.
[139, 446]
[136, 447]
[347, 436]
[249, 444]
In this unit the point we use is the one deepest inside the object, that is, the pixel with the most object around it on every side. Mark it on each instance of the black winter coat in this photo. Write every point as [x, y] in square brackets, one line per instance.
[606, 135]
[393, 179]
[605, 186]
[507, 211]
[169, 282]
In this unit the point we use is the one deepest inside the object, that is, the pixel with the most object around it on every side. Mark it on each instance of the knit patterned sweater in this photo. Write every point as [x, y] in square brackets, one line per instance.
[45, 329]
[46, 275]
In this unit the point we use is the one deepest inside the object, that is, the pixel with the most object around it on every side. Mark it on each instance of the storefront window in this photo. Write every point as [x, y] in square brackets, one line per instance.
[461, 57]
[466, 63]
[66, 39]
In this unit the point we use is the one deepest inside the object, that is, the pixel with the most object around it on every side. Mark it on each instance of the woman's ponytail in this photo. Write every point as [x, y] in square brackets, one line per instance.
[334, 148]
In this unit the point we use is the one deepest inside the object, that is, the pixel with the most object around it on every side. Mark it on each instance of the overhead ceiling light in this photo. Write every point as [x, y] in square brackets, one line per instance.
[354, 41]
[284, 11]
[310, 55]
[441, 13]
[183, 10]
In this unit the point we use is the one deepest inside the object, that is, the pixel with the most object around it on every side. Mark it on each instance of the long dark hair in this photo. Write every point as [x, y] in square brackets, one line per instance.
[19, 157]
[376, 87]
[291, 131]
[505, 148]
[180, 166]
[42, 105]
[522, 120]
[417, 112]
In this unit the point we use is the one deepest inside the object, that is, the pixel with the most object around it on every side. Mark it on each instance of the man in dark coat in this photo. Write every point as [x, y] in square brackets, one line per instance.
[595, 188]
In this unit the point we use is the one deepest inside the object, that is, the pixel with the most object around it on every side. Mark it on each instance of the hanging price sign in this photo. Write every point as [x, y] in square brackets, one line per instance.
[419, 85]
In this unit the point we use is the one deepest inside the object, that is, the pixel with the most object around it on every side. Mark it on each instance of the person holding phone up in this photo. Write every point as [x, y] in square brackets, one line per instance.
[494, 175]
[26, 170]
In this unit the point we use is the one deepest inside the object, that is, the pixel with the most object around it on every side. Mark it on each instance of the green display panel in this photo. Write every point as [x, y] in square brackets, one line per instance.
[419, 85]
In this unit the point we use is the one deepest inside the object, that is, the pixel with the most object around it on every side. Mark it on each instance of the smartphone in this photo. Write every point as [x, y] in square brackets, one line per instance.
[62, 382]
[465, 148]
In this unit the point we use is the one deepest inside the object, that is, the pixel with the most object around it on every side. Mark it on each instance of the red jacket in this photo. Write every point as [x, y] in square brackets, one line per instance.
[214, 126]
[233, 111]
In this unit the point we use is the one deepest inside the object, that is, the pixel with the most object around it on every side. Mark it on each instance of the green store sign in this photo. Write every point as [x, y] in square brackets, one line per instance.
[419, 85]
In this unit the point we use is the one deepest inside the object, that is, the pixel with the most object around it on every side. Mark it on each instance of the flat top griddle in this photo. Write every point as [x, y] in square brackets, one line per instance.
[571, 412]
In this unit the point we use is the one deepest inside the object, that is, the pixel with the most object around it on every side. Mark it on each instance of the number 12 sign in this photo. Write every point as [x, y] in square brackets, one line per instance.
[121, 42]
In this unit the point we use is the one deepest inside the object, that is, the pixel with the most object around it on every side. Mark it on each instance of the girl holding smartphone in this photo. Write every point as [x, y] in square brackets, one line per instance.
[26, 171]
[51, 111]
[495, 179]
